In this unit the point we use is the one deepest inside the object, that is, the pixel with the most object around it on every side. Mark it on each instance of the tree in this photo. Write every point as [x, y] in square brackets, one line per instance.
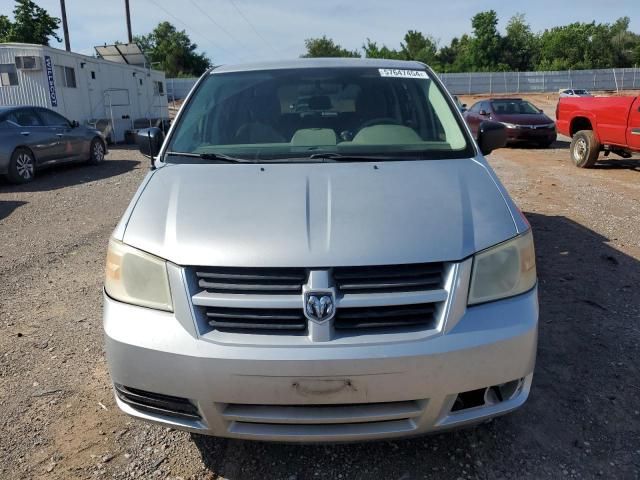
[371, 50]
[31, 24]
[173, 50]
[519, 44]
[326, 47]
[486, 44]
[417, 46]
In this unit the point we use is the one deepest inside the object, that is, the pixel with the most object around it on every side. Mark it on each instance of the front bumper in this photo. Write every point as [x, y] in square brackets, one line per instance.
[324, 391]
[541, 135]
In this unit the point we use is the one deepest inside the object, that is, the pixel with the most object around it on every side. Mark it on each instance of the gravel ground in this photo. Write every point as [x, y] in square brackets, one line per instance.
[59, 419]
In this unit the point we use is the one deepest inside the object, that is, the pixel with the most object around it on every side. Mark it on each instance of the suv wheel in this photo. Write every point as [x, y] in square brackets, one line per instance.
[22, 166]
[585, 149]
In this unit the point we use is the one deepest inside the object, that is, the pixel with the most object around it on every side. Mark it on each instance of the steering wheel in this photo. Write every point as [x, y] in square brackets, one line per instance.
[380, 121]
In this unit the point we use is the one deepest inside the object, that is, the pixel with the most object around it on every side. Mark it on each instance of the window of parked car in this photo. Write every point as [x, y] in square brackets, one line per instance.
[507, 106]
[53, 119]
[24, 117]
[66, 76]
[8, 75]
[298, 112]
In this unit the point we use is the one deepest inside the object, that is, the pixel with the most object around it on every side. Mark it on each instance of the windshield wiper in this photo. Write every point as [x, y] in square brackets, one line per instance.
[350, 158]
[220, 157]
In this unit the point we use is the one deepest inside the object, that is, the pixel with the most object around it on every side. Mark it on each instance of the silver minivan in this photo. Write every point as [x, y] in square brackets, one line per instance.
[320, 252]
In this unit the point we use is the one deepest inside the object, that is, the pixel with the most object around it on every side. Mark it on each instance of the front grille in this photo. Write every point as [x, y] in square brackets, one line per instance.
[348, 413]
[386, 317]
[157, 404]
[388, 278]
[264, 302]
[262, 281]
[264, 320]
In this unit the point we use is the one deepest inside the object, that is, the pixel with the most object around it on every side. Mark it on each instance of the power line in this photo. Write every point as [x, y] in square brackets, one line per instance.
[204, 37]
[229, 34]
[237, 9]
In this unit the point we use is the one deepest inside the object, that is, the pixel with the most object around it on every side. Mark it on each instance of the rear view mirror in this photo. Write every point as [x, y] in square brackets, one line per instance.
[149, 141]
[491, 135]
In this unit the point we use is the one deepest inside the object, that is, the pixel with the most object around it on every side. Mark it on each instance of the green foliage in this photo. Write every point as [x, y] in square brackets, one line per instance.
[574, 46]
[173, 51]
[416, 46]
[325, 47]
[31, 24]
[486, 45]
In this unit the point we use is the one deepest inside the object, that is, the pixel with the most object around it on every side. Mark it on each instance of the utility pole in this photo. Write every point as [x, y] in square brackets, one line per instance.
[126, 7]
[65, 27]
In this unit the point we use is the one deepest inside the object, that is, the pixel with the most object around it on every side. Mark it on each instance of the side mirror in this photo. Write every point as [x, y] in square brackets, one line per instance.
[541, 110]
[491, 135]
[464, 105]
[149, 141]
[483, 113]
[74, 124]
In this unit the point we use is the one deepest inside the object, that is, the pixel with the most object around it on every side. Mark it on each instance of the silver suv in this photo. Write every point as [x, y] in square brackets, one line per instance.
[320, 253]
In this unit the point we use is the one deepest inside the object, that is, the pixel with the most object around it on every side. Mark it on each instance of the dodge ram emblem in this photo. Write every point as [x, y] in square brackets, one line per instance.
[318, 307]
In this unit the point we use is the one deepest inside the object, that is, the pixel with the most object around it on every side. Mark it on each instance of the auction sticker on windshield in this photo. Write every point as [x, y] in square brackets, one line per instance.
[393, 72]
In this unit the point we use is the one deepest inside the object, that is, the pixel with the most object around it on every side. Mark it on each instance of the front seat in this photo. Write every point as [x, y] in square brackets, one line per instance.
[264, 109]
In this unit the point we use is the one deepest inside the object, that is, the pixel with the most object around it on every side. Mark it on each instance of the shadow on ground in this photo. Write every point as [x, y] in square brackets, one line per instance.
[615, 163]
[65, 175]
[582, 417]
[8, 206]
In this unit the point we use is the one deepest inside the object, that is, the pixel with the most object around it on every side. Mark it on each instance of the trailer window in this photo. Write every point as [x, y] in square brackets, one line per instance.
[66, 76]
[158, 88]
[8, 75]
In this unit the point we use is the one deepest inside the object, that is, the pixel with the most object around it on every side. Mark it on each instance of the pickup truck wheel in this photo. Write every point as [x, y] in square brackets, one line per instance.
[585, 149]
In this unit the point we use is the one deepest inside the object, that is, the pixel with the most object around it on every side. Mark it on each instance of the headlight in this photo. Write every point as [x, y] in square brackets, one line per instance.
[509, 125]
[505, 270]
[136, 277]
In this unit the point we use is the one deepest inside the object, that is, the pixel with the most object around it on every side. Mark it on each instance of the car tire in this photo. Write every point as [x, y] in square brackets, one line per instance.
[96, 152]
[585, 149]
[22, 166]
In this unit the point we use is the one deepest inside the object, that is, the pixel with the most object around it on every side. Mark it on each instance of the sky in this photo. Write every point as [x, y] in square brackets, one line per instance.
[231, 31]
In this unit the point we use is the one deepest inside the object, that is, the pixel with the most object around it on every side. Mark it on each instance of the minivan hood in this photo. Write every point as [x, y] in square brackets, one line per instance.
[320, 214]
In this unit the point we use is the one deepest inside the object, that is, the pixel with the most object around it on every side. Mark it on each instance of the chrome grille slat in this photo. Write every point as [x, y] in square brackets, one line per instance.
[262, 281]
[255, 319]
[388, 278]
[247, 287]
[385, 317]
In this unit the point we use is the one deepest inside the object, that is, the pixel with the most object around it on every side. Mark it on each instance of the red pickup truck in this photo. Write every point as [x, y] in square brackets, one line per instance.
[595, 124]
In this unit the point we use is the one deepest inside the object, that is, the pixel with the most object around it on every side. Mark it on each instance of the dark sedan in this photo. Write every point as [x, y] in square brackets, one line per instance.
[524, 122]
[32, 137]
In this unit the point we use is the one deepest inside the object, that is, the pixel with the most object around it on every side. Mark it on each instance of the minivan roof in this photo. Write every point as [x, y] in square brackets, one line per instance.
[320, 63]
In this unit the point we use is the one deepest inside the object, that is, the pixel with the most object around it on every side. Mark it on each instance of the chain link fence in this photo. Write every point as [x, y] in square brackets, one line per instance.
[501, 82]
[615, 79]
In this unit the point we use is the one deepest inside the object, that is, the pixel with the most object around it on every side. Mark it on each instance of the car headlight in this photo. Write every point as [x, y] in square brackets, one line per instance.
[504, 270]
[509, 125]
[133, 276]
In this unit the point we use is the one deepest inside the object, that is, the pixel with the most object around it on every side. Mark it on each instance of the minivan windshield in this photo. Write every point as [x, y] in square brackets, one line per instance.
[289, 114]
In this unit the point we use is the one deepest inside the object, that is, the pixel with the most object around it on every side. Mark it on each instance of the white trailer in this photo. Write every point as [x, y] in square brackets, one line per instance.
[115, 97]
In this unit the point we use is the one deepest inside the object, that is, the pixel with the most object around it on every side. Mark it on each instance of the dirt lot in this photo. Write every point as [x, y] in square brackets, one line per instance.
[58, 419]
